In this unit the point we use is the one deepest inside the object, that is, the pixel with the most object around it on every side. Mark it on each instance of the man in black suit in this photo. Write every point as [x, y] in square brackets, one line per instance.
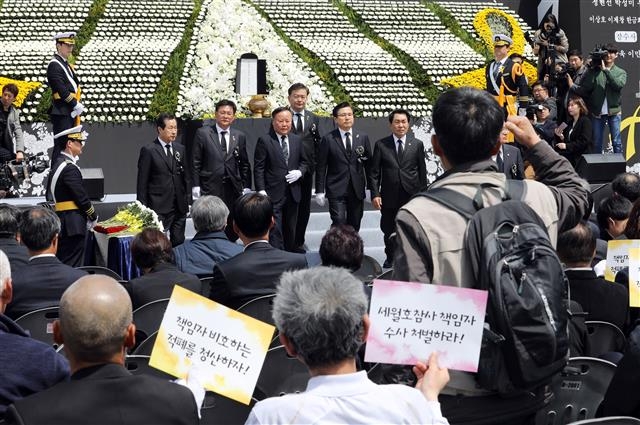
[65, 88]
[342, 169]
[71, 200]
[306, 125]
[278, 165]
[509, 158]
[255, 271]
[220, 163]
[96, 328]
[398, 171]
[603, 300]
[162, 184]
[16, 252]
[42, 281]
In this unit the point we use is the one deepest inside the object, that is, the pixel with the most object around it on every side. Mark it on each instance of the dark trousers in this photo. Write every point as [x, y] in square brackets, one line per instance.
[175, 223]
[388, 221]
[229, 196]
[347, 209]
[304, 209]
[492, 409]
[285, 213]
[60, 123]
[71, 249]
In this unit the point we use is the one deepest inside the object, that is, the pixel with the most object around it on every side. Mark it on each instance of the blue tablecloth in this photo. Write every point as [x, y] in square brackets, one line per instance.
[116, 256]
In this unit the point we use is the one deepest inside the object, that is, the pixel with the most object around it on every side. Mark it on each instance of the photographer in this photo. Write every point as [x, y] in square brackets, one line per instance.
[541, 95]
[549, 43]
[601, 87]
[11, 140]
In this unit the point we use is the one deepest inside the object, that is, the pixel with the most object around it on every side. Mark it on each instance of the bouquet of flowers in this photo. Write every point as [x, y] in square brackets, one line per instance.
[131, 219]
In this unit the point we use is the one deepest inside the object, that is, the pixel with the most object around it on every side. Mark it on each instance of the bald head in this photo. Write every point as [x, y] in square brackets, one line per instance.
[95, 314]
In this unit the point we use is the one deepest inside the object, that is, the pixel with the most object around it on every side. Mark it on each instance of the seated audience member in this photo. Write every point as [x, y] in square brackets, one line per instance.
[613, 213]
[256, 270]
[151, 251]
[627, 185]
[622, 397]
[210, 244]
[632, 227]
[576, 138]
[42, 281]
[322, 317]
[96, 328]
[27, 366]
[9, 220]
[545, 126]
[605, 301]
[342, 247]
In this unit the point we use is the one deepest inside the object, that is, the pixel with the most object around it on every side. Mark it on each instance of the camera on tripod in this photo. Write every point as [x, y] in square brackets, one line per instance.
[13, 173]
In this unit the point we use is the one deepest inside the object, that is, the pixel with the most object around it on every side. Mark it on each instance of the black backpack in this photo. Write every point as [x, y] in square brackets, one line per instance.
[525, 340]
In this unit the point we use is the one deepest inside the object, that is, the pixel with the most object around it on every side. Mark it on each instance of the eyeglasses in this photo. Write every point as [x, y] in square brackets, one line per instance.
[345, 114]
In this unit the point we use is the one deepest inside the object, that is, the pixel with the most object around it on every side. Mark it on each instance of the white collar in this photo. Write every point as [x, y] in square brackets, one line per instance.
[72, 158]
[41, 256]
[342, 132]
[220, 129]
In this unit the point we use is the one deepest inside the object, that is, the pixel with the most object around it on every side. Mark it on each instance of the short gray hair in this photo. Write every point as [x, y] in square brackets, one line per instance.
[5, 269]
[209, 214]
[95, 312]
[320, 310]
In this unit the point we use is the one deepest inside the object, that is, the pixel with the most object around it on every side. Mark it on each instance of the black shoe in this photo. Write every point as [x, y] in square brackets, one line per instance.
[387, 264]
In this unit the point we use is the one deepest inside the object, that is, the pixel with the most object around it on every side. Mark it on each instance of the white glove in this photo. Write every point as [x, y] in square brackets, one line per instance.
[91, 224]
[293, 176]
[246, 190]
[263, 192]
[195, 192]
[77, 110]
[367, 196]
[320, 200]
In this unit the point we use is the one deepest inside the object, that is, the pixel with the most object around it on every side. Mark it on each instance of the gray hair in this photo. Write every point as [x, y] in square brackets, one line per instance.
[95, 312]
[320, 310]
[5, 269]
[209, 214]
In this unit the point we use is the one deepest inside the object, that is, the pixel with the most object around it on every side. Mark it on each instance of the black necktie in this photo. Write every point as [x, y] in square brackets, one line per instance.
[168, 150]
[496, 72]
[223, 141]
[400, 150]
[299, 128]
[347, 138]
[285, 149]
[499, 161]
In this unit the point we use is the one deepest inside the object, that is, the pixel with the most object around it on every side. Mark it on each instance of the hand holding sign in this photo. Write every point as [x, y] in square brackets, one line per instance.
[431, 377]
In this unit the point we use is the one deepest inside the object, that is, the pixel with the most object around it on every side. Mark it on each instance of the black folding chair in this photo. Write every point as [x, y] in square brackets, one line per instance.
[387, 275]
[206, 286]
[610, 420]
[100, 270]
[148, 318]
[604, 337]
[280, 375]
[369, 269]
[577, 391]
[259, 308]
[139, 365]
[220, 410]
[144, 348]
[39, 323]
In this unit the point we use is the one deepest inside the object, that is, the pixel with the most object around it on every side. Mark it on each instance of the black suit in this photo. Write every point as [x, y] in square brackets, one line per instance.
[579, 139]
[159, 283]
[252, 273]
[107, 394]
[67, 178]
[310, 135]
[40, 284]
[343, 175]
[162, 186]
[512, 164]
[269, 171]
[16, 253]
[218, 173]
[395, 179]
[61, 77]
[603, 300]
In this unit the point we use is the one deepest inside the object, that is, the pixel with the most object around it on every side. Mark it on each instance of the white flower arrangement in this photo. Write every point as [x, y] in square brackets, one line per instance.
[227, 29]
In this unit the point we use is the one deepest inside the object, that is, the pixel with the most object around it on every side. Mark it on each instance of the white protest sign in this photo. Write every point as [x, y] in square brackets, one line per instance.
[409, 321]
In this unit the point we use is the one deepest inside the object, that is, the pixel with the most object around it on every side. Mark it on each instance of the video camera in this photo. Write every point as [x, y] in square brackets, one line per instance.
[13, 173]
[597, 56]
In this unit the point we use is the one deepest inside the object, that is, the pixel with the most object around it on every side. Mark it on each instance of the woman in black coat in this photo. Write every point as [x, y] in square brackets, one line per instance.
[576, 138]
